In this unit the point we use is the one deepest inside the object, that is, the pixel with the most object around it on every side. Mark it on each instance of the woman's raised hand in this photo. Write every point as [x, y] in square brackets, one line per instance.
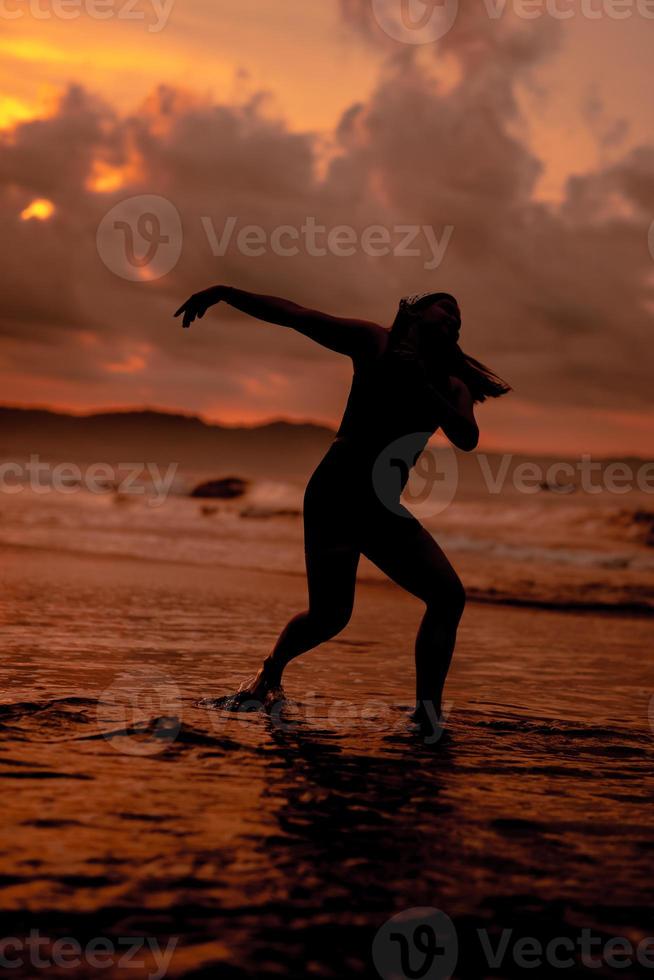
[198, 304]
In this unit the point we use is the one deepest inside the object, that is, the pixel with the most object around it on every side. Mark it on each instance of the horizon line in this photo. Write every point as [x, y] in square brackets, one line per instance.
[154, 410]
[286, 420]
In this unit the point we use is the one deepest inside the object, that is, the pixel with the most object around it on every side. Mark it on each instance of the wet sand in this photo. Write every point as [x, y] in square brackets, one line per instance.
[278, 846]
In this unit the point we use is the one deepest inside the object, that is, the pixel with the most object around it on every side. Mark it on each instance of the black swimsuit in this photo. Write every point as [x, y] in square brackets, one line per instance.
[353, 496]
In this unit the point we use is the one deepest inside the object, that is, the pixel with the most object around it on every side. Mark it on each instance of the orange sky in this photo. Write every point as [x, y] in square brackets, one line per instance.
[566, 101]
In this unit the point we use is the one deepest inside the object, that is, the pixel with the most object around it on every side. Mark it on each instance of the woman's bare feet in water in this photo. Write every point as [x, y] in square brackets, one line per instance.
[428, 722]
[260, 691]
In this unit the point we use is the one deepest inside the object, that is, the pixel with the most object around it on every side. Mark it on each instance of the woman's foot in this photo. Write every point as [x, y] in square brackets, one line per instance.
[266, 683]
[260, 692]
[428, 722]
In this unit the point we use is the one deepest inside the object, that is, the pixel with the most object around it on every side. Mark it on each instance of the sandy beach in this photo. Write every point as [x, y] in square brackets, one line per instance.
[279, 845]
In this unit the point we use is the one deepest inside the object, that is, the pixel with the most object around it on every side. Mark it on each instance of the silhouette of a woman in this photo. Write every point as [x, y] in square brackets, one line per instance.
[411, 379]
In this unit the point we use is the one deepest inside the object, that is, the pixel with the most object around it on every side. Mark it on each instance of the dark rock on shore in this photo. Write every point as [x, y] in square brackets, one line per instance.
[228, 488]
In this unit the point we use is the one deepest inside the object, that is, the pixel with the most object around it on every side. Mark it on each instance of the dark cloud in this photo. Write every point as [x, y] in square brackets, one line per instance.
[557, 298]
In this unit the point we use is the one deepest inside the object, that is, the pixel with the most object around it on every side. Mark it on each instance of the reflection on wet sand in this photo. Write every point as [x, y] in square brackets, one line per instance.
[278, 845]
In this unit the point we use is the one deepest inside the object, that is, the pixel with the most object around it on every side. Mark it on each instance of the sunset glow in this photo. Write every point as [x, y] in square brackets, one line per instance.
[132, 365]
[105, 177]
[13, 110]
[326, 330]
[238, 114]
[41, 209]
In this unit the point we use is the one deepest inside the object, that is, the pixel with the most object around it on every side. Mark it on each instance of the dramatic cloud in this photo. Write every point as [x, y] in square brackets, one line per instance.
[556, 297]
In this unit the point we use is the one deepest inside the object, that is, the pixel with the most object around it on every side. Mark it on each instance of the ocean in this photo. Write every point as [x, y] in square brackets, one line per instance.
[296, 843]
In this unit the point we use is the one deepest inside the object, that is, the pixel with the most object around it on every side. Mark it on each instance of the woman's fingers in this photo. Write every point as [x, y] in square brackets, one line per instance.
[191, 309]
[188, 310]
[184, 308]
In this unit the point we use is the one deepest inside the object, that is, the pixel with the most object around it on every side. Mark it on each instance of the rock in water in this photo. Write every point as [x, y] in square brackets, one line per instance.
[226, 489]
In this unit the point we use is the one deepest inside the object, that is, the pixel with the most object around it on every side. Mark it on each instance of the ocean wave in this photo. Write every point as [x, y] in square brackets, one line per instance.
[554, 554]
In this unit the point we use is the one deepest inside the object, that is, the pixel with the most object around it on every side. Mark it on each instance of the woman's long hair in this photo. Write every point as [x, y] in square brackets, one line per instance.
[480, 380]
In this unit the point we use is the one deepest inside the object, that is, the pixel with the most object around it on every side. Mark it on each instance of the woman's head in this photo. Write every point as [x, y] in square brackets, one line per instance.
[430, 321]
[436, 320]
[429, 326]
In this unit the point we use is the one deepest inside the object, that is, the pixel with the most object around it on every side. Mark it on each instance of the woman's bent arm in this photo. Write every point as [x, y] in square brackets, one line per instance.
[458, 419]
[346, 336]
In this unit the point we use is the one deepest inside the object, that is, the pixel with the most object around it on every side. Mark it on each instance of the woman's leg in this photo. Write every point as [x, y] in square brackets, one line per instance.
[408, 554]
[331, 579]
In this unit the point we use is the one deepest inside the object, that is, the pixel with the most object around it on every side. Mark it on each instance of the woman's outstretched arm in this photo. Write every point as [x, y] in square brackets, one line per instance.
[341, 334]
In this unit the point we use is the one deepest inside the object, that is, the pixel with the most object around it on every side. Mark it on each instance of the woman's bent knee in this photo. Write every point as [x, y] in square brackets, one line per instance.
[448, 600]
[330, 622]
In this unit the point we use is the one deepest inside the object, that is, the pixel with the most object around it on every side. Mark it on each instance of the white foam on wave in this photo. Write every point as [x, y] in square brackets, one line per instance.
[511, 548]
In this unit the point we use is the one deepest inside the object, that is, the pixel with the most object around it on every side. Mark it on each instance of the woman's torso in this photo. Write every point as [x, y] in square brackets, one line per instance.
[388, 399]
[388, 412]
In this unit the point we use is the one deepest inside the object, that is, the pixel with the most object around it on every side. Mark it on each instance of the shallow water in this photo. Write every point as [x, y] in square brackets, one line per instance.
[279, 845]
[552, 550]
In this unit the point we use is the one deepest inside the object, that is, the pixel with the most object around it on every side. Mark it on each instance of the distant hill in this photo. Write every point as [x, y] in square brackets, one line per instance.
[284, 451]
[279, 450]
